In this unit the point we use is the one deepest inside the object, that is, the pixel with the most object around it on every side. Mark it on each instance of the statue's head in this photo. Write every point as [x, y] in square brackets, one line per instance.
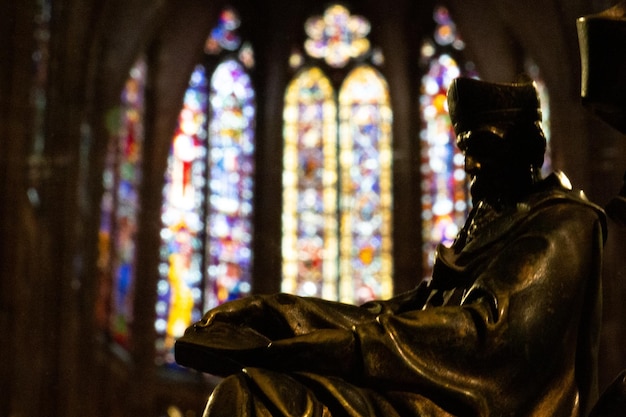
[602, 40]
[498, 128]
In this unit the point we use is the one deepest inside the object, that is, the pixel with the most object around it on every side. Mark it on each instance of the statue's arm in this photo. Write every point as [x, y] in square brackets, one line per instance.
[517, 325]
[278, 331]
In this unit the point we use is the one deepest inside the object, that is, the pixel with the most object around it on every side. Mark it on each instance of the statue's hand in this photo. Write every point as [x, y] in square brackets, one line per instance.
[242, 311]
[325, 351]
[252, 313]
[229, 337]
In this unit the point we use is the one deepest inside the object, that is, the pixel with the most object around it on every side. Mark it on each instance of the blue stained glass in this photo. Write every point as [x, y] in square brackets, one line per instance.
[444, 186]
[231, 134]
[224, 35]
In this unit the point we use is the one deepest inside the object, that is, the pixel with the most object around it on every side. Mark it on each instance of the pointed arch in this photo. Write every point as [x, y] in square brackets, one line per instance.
[231, 184]
[120, 209]
[366, 186]
[310, 240]
[182, 235]
[206, 252]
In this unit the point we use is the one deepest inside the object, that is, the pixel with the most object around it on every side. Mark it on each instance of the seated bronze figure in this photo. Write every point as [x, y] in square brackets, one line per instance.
[508, 324]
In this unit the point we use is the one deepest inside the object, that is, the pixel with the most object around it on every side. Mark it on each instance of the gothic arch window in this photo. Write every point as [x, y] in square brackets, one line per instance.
[310, 229]
[445, 196]
[206, 255]
[366, 199]
[120, 209]
[337, 202]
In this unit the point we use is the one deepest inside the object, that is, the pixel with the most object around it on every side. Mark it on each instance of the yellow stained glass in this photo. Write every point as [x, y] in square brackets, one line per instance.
[337, 239]
[309, 244]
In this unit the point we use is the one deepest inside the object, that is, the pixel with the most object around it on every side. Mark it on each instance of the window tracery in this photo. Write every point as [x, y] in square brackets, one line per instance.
[337, 201]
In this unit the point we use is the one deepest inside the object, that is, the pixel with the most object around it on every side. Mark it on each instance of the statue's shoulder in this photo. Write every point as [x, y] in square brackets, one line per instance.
[556, 190]
[557, 187]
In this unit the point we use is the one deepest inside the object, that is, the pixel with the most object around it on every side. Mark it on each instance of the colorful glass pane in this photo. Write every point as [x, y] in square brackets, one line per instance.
[107, 208]
[310, 242]
[231, 161]
[224, 35]
[337, 36]
[445, 196]
[365, 199]
[206, 256]
[179, 288]
[246, 55]
[544, 97]
[120, 209]
[445, 31]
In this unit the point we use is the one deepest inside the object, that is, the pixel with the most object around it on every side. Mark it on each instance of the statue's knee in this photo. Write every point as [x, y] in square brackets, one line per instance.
[230, 398]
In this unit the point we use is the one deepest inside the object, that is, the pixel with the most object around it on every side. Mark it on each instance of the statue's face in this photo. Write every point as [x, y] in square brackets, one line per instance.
[491, 163]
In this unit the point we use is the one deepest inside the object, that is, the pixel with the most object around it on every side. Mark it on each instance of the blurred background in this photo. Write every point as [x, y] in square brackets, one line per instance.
[158, 158]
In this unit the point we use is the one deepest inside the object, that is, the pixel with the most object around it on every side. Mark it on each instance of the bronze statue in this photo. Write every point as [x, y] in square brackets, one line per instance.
[508, 324]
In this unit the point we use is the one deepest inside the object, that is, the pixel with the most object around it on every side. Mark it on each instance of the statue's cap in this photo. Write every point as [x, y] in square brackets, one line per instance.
[602, 41]
[474, 102]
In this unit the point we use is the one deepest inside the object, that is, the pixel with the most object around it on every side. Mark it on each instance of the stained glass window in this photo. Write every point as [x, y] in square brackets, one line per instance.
[179, 289]
[120, 209]
[365, 191]
[337, 202]
[310, 240]
[444, 189]
[206, 256]
[231, 160]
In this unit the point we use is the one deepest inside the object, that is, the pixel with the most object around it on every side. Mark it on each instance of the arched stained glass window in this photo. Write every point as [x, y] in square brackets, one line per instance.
[365, 191]
[310, 239]
[445, 196]
[120, 209]
[231, 161]
[206, 256]
[337, 202]
[179, 290]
